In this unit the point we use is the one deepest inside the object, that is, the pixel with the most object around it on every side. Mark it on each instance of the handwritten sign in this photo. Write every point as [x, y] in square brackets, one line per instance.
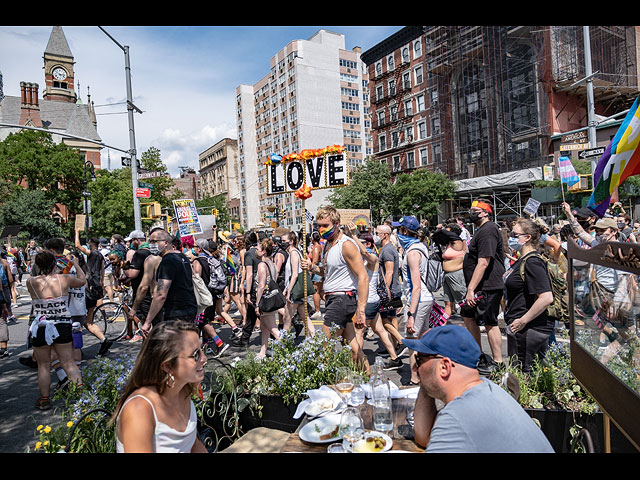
[187, 217]
[328, 171]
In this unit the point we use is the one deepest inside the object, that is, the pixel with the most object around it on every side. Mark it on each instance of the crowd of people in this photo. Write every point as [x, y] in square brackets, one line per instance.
[384, 281]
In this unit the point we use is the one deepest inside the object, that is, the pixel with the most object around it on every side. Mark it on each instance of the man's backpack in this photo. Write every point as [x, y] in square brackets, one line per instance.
[559, 309]
[434, 276]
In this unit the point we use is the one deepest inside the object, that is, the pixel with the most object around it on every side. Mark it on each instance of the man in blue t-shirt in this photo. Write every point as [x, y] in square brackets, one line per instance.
[478, 416]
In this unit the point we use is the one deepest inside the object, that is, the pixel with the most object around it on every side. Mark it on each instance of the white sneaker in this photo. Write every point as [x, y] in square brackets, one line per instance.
[316, 315]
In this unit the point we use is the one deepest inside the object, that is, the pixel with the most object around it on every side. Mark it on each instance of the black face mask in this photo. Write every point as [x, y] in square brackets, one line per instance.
[474, 216]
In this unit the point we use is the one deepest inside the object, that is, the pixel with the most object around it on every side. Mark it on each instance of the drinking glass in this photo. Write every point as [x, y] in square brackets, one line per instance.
[357, 394]
[344, 382]
[351, 428]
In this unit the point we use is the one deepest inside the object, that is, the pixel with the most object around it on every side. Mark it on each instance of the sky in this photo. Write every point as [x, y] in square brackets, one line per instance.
[182, 78]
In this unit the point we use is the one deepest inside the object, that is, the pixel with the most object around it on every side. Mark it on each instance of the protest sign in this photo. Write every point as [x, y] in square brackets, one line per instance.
[187, 217]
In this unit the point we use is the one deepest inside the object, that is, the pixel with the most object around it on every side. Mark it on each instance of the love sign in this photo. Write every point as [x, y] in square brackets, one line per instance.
[327, 171]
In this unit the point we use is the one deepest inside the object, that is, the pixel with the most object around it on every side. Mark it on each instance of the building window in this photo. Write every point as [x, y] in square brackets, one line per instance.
[379, 68]
[394, 113]
[405, 54]
[379, 92]
[396, 164]
[409, 134]
[382, 142]
[417, 48]
[411, 161]
[434, 97]
[408, 107]
[406, 80]
[437, 153]
[420, 103]
[390, 62]
[435, 125]
[422, 130]
[424, 158]
[392, 87]
[418, 75]
[381, 118]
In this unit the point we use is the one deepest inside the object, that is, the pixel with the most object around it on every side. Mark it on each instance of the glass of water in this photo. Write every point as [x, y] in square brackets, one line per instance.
[357, 396]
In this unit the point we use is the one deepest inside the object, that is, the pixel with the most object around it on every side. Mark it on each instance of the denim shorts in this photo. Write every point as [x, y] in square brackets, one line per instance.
[371, 310]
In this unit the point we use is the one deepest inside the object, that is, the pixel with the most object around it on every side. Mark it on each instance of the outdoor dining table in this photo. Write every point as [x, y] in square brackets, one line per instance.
[402, 433]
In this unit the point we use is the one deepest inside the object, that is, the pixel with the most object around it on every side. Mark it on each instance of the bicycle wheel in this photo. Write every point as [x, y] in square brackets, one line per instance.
[112, 320]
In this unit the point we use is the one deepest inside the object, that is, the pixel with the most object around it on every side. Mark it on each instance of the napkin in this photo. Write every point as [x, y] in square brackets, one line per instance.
[392, 387]
[322, 393]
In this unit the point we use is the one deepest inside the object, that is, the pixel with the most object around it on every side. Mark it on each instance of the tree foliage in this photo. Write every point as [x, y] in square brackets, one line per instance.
[31, 209]
[219, 202]
[420, 193]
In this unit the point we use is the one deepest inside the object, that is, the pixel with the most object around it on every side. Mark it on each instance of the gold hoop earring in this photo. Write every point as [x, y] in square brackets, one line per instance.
[171, 381]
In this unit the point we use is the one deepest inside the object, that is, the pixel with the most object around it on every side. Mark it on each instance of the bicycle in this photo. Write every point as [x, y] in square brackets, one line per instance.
[112, 317]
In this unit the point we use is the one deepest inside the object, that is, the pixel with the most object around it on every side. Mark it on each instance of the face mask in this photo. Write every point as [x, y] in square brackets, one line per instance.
[369, 250]
[474, 216]
[406, 241]
[621, 225]
[514, 244]
[285, 245]
[328, 232]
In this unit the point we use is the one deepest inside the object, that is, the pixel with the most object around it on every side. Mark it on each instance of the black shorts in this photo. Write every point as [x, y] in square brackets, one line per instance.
[64, 335]
[486, 309]
[339, 309]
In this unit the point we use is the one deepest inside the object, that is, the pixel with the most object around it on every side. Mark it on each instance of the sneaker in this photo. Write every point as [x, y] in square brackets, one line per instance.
[486, 365]
[237, 333]
[316, 315]
[136, 338]
[63, 384]
[43, 403]
[104, 347]
[392, 364]
[221, 350]
[401, 349]
[4, 353]
[298, 328]
[238, 342]
[370, 335]
[28, 362]
[382, 352]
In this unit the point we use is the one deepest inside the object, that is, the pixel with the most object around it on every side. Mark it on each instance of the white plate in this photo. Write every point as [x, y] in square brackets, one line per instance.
[311, 431]
[320, 407]
[387, 439]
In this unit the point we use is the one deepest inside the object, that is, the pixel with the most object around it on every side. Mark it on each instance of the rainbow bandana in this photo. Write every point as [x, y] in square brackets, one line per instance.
[483, 205]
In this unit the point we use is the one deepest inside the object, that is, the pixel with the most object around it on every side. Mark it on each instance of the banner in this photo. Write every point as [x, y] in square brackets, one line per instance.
[187, 217]
[329, 171]
[568, 174]
[360, 217]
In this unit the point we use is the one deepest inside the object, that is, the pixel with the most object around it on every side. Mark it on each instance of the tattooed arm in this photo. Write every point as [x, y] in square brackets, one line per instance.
[159, 297]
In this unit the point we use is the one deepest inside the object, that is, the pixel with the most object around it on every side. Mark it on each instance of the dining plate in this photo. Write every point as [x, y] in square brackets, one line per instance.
[321, 430]
[367, 445]
[320, 407]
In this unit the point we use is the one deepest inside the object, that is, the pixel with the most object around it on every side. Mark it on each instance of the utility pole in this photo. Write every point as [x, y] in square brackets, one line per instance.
[132, 137]
[591, 120]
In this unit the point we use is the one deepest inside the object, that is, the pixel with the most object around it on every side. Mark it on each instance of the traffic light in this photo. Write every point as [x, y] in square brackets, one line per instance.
[264, 217]
[154, 210]
[216, 212]
[282, 211]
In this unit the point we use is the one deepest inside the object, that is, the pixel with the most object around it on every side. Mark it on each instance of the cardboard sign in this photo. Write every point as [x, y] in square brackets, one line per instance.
[328, 171]
[532, 206]
[187, 217]
[358, 216]
[80, 220]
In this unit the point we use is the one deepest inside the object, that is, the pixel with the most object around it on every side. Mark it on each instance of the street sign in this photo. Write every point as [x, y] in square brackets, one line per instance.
[150, 174]
[573, 146]
[143, 192]
[145, 185]
[126, 162]
[592, 152]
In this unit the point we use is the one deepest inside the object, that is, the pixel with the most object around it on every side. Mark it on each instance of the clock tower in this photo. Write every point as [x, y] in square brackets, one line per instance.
[58, 69]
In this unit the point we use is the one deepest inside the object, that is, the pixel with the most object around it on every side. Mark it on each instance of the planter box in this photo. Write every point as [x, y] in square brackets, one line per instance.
[556, 424]
[275, 414]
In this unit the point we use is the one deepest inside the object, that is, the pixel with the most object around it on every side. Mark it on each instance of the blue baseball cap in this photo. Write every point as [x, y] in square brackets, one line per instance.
[452, 341]
[409, 222]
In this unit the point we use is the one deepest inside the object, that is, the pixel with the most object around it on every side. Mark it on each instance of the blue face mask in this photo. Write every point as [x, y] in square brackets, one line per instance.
[514, 244]
[406, 241]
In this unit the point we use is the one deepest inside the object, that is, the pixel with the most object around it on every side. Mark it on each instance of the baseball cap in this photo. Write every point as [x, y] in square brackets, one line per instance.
[134, 234]
[203, 244]
[104, 242]
[409, 222]
[606, 223]
[452, 341]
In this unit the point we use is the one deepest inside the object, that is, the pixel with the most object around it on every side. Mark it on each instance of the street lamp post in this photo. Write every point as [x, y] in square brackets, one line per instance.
[132, 138]
[89, 173]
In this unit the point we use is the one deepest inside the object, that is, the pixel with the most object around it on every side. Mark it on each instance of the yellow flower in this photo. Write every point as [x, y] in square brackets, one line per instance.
[40, 427]
[38, 445]
[47, 429]
[69, 424]
[46, 442]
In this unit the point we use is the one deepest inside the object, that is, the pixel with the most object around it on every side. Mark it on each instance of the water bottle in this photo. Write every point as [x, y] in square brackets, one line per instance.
[76, 330]
[382, 418]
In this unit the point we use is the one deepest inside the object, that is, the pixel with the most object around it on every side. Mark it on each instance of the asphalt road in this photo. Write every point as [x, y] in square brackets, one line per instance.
[18, 384]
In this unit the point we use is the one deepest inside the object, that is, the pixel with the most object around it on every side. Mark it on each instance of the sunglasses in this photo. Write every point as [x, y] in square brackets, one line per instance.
[420, 359]
[197, 355]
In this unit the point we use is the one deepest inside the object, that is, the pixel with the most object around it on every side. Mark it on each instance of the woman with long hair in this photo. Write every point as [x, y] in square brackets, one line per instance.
[155, 413]
[528, 293]
[51, 326]
[266, 272]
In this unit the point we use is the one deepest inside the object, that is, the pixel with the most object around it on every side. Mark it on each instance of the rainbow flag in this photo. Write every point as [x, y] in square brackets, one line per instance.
[620, 161]
[229, 261]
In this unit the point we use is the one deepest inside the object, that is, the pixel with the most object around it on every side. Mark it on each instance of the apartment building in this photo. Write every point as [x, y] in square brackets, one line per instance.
[314, 94]
[219, 174]
[482, 103]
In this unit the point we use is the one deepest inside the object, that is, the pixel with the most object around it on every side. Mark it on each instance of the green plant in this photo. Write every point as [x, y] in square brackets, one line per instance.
[550, 383]
[103, 380]
[293, 369]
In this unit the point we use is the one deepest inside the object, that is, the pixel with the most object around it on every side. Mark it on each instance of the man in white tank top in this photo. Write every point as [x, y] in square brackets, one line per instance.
[346, 282]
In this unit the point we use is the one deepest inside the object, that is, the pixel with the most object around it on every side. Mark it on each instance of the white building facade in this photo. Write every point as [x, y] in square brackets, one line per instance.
[315, 95]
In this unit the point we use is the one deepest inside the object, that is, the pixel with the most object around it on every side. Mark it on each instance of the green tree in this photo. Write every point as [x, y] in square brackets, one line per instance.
[31, 209]
[163, 187]
[369, 188]
[32, 159]
[420, 193]
[219, 202]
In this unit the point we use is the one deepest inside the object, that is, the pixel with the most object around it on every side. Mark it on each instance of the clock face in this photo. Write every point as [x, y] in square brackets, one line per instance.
[59, 74]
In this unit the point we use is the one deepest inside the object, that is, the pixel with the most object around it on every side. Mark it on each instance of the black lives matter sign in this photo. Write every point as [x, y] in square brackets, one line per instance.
[328, 171]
